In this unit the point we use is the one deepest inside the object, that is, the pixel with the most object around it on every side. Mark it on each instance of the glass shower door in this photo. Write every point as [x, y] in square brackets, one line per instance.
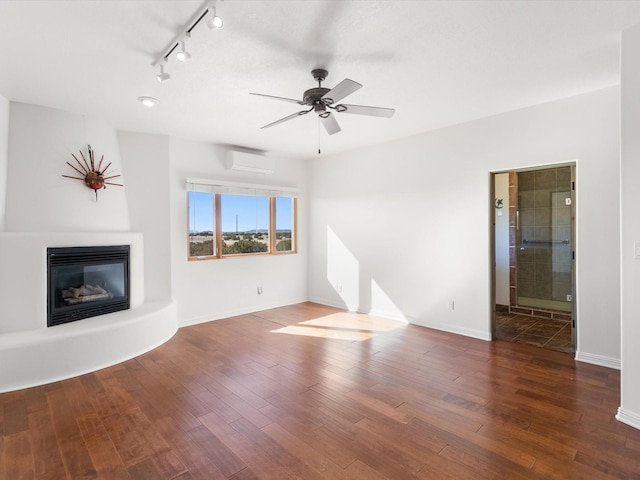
[544, 239]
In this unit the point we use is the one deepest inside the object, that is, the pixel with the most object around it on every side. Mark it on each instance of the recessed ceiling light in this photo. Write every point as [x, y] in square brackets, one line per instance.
[148, 101]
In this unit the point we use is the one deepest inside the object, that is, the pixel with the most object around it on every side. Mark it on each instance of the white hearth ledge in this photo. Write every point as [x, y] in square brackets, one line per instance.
[43, 356]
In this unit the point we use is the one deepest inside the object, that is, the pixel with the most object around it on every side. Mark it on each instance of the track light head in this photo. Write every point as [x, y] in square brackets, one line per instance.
[183, 55]
[162, 76]
[214, 22]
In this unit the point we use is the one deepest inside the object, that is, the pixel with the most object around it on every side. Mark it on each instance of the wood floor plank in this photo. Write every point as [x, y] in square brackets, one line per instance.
[199, 465]
[103, 453]
[274, 451]
[74, 453]
[47, 457]
[15, 414]
[224, 458]
[341, 395]
[128, 441]
[18, 461]
[255, 459]
[314, 458]
[313, 433]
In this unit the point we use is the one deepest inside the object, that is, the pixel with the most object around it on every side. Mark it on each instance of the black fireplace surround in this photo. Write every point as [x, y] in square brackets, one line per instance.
[85, 282]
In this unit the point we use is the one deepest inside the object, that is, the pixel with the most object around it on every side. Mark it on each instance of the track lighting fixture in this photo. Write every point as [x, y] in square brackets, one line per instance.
[183, 55]
[214, 21]
[162, 76]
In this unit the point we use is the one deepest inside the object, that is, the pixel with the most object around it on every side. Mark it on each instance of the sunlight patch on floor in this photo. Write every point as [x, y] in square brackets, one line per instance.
[342, 326]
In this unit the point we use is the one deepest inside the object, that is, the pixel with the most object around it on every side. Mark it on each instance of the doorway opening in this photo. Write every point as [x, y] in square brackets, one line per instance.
[533, 247]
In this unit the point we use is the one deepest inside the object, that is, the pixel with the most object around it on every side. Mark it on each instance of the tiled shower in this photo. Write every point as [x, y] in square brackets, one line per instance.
[541, 242]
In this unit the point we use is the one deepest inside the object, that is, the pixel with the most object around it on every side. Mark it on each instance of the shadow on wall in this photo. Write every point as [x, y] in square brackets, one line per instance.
[358, 291]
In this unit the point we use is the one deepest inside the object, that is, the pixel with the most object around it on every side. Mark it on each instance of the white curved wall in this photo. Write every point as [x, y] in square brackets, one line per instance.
[44, 209]
[39, 198]
[47, 355]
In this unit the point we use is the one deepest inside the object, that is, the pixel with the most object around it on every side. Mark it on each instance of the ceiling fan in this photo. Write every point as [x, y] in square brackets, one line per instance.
[322, 100]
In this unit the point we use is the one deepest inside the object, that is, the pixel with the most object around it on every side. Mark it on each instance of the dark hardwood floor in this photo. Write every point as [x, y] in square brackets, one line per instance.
[312, 392]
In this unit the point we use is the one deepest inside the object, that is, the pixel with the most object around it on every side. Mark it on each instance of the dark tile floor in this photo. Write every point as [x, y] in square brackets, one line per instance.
[542, 332]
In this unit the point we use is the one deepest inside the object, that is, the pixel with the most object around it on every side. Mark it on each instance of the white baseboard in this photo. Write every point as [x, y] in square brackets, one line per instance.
[630, 418]
[390, 315]
[601, 360]
[354, 308]
[236, 312]
[331, 303]
[467, 332]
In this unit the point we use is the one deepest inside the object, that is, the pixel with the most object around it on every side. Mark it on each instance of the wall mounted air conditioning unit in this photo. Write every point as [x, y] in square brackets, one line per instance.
[249, 162]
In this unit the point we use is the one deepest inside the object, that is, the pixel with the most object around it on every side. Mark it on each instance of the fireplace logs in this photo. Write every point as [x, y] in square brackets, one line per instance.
[85, 293]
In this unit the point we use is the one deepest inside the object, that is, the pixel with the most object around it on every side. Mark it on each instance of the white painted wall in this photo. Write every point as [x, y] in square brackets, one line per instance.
[629, 411]
[411, 218]
[43, 209]
[38, 198]
[212, 289]
[502, 239]
[145, 160]
[4, 155]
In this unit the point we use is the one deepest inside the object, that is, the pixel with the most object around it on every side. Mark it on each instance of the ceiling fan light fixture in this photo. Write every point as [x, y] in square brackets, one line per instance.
[162, 76]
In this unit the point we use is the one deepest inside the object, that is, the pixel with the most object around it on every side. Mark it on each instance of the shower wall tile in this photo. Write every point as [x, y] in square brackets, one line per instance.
[526, 199]
[545, 179]
[564, 176]
[543, 216]
[527, 217]
[542, 198]
[526, 181]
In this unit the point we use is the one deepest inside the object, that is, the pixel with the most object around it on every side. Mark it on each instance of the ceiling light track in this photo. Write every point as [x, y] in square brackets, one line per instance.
[213, 22]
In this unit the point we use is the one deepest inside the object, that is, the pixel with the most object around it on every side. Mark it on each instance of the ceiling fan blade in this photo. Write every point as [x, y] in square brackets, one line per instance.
[344, 88]
[299, 102]
[365, 110]
[330, 124]
[288, 117]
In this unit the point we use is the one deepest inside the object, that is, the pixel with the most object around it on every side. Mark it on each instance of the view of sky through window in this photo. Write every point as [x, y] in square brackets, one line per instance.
[250, 212]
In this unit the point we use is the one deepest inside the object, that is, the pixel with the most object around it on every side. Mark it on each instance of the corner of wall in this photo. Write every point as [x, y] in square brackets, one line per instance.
[4, 155]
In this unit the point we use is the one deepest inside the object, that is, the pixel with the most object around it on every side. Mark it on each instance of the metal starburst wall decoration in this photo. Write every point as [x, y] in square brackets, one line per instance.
[94, 176]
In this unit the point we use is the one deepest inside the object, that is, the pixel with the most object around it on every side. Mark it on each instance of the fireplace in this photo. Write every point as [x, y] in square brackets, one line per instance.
[86, 282]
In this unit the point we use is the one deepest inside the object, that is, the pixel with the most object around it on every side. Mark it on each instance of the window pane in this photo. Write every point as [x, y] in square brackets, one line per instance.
[201, 224]
[245, 224]
[284, 224]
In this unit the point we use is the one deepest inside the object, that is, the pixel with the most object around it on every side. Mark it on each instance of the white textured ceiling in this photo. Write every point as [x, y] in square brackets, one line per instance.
[437, 63]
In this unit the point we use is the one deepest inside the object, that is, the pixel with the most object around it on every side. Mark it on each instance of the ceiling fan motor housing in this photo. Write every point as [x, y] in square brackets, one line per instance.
[313, 96]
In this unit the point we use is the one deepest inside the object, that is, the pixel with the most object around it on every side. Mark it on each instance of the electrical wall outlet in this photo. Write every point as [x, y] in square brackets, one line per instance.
[259, 290]
[452, 305]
